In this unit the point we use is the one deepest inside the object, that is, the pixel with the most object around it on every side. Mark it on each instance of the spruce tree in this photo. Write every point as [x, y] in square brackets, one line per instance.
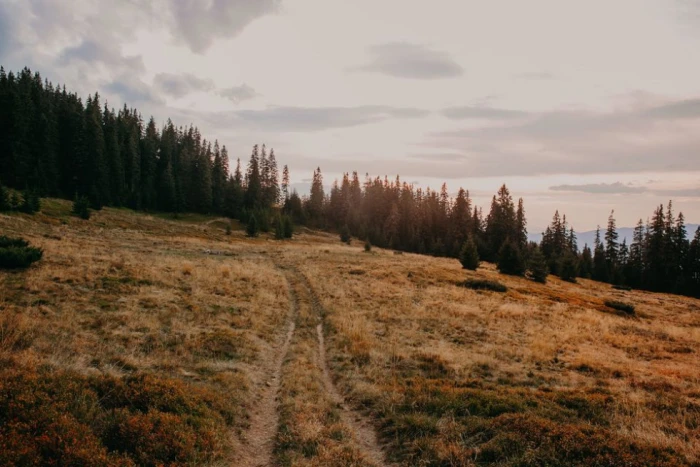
[288, 226]
[537, 265]
[251, 228]
[569, 268]
[510, 259]
[253, 192]
[586, 263]
[4, 199]
[279, 228]
[469, 255]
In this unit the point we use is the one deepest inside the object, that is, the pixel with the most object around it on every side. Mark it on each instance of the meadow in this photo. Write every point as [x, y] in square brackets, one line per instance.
[148, 340]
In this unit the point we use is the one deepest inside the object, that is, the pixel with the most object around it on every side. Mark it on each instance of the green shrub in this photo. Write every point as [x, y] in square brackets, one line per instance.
[30, 202]
[345, 236]
[469, 255]
[228, 228]
[626, 308]
[279, 228]
[15, 253]
[81, 207]
[4, 199]
[484, 284]
[510, 260]
[568, 269]
[252, 229]
[537, 264]
[287, 226]
[368, 246]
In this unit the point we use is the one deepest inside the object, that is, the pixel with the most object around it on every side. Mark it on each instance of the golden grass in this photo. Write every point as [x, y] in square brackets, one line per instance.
[450, 375]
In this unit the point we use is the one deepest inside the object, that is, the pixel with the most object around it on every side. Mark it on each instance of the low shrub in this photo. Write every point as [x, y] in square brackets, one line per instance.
[626, 308]
[15, 253]
[63, 418]
[81, 207]
[345, 236]
[484, 284]
[368, 246]
[622, 287]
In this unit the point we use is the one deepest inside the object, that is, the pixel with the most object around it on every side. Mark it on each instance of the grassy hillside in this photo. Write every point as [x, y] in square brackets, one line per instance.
[147, 340]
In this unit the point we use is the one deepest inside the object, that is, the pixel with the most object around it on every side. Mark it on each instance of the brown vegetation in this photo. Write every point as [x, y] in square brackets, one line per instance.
[143, 340]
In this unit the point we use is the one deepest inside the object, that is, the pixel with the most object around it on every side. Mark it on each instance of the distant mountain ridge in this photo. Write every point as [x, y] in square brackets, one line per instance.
[588, 237]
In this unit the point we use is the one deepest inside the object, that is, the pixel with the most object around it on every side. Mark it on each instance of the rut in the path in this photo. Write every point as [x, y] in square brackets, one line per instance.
[361, 427]
[259, 442]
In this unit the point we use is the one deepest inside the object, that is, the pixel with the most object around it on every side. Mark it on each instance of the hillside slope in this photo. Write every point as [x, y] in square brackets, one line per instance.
[143, 340]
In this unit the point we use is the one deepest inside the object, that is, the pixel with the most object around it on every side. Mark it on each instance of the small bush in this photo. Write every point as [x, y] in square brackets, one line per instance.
[252, 229]
[228, 228]
[469, 255]
[368, 246]
[537, 265]
[279, 228]
[484, 284]
[568, 271]
[81, 207]
[15, 253]
[626, 308]
[30, 202]
[626, 288]
[4, 199]
[287, 227]
[510, 260]
[345, 236]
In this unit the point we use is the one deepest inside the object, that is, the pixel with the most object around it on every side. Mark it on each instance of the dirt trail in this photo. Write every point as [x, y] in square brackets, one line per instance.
[361, 427]
[257, 447]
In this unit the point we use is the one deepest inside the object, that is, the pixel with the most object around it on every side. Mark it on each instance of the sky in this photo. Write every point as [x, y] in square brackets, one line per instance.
[581, 107]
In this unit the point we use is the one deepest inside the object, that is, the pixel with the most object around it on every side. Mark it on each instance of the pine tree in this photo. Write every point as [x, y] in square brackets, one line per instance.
[251, 228]
[279, 228]
[272, 190]
[600, 264]
[285, 183]
[4, 198]
[288, 226]
[253, 193]
[521, 225]
[611, 245]
[81, 207]
[469, 255]
[569, 267]
[345, 235]
[510, 259]
[537, 265]
[586, 263]
[316, 199]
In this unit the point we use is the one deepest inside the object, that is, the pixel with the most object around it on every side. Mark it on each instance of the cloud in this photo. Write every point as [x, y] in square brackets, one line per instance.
[684, 109]
[300, 119]
[404, 60]
[133, 91]
[600, 188]
[536, 75]
[660, 138]
[446, 156]
[6, 31]
[180, 85]
[489, 113]
[681, 193]
[237, 94]
[198, 23]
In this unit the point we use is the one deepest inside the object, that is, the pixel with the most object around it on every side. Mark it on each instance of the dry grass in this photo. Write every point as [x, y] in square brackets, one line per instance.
[127, 295]
[404, 330]
[538, 375]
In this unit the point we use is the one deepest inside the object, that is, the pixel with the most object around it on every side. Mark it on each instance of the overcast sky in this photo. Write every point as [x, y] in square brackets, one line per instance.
[578, 106]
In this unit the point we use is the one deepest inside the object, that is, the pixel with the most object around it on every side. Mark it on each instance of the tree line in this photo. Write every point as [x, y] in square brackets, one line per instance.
[53, 144]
